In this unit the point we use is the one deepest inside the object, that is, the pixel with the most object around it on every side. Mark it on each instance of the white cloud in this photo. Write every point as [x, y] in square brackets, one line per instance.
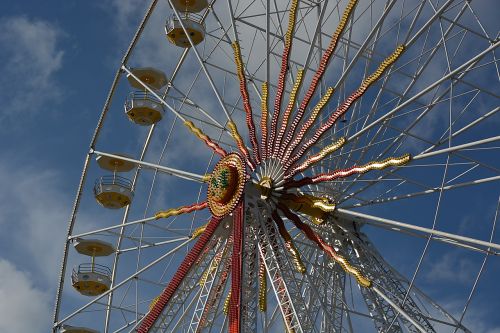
[453, 268]
[24, 308]
[34, 212]
[30, 57]
[35, 208]
[476, 319]
[124, 11]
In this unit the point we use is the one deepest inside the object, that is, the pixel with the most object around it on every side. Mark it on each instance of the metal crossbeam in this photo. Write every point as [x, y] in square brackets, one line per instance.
[388, 281]
[249, 279]
[188, 285]
[293, 308]
[206, 285]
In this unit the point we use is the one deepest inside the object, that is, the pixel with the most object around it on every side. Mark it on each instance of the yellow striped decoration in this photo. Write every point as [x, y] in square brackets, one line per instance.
[382, 67]
[325, 206]
[291, 23]
[265, 116]
[238, 139]
[346, 266]
[319, 156]
[205, 138]
[237, 59]
[297, 261]
[315, 112]
[391, 161]
[262, 288]
[198, 231]
[293, 94]
[225, 309]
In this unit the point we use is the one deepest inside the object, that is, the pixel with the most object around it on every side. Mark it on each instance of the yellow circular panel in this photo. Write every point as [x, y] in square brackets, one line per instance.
[93, 247]
[114, 164]
[72, 329]
[226, 184]
[151, 76]
[176, 36]
[191, 6]
[113, 200]
[144, 116]
[90, 288]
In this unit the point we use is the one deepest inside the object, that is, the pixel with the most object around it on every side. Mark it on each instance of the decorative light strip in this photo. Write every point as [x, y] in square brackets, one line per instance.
[289, 108]
[342, 173]
[315, 207]
[236, 270]
[198, 231]
[263, 120]
[317, 157]
[153, 302]
[246, 101]
[181, 210]
[205, 138]
[348, 102]
[262, 287]
[213, 266]
[299, 265]
[241, 145]
[343, 262]
[217, 291]
[324, 206]
[322, 66]
[284, 68]
[315, 112]
[225, 308]
[187, 263]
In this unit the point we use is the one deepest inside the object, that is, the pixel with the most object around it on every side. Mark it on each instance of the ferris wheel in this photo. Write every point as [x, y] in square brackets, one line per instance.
[278, 162]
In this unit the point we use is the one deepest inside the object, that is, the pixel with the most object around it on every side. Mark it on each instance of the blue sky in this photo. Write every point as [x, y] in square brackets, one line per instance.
[57, 61]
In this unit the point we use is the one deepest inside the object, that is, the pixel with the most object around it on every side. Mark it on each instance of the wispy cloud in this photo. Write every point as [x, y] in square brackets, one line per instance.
[35, 208]
[24, 308]
[34, 212]
[124, 12]
[476, 319]
[453, 268]
[30, 57]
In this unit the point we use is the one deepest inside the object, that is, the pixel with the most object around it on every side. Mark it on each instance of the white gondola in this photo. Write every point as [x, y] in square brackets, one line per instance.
[143, 108]
[113, 191]
[194, 27]
[91, 279]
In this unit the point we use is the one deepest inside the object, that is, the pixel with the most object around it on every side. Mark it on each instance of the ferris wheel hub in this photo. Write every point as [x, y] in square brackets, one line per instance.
[269, 177]
[226, 184]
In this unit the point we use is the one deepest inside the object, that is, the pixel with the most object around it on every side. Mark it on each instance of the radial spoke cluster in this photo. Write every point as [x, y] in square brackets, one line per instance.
[273, 175]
